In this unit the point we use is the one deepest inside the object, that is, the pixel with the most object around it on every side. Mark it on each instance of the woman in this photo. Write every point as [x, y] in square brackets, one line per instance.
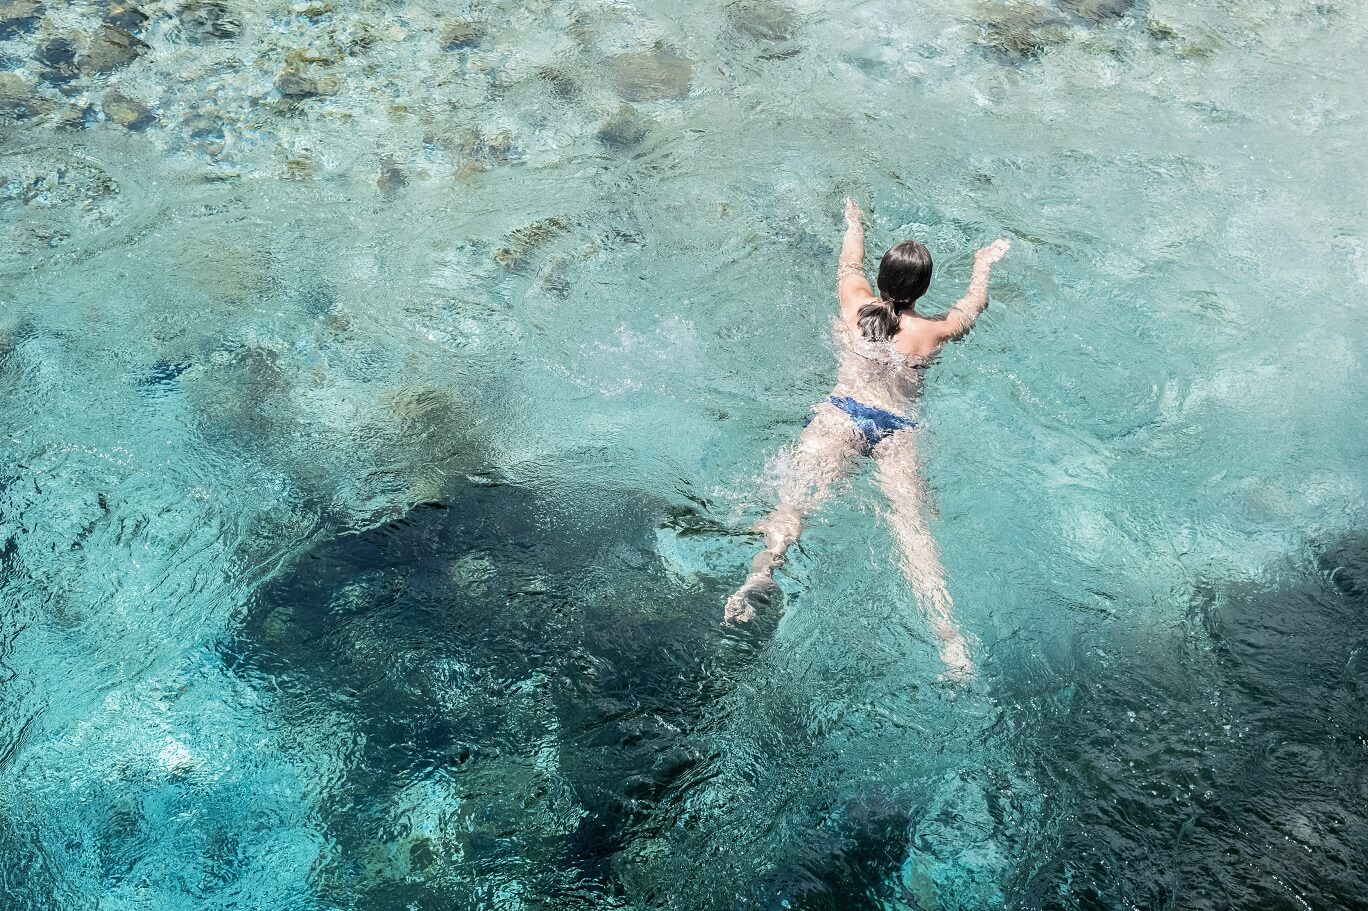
[884, 346]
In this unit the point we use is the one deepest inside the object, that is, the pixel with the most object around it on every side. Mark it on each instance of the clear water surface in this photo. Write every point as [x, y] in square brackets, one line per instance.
[388, 388]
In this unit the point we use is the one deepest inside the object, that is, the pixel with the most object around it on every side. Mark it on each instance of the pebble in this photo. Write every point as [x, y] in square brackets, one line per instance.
[206, 132]
[296, 82]
[110, 48]
[127, 112]
[652, 75]
[18, 97]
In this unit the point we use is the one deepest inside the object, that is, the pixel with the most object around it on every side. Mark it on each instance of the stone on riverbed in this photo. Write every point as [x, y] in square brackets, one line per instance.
[127, 112]
[763, 20]
[1098, 11]
[653, 75]
[18, 17]
[125, 16]
[298, 81]
[624, 129]
[110, 48]
[459, 34]
[18, 97]
[202, 20]
[1020, 33]
[525, 240]
[392, 178]
[57, 60]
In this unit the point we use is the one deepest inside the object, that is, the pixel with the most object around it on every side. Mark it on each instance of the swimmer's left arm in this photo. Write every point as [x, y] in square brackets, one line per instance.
[960, 319]
[852, 288]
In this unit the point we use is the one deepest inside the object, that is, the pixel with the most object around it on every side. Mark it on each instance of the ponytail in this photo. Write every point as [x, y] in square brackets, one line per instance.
[878, 319]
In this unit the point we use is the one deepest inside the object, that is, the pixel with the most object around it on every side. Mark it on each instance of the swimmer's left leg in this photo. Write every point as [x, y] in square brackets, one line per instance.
[807, 471]
[900, 478]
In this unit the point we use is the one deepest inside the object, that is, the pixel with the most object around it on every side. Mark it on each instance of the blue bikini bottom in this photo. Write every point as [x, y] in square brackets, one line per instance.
[874, 424]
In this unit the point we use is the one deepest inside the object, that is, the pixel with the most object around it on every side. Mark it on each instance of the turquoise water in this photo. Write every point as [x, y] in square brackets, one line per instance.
[388, 388]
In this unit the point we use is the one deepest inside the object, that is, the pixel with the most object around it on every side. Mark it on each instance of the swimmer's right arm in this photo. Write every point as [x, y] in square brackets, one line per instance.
[961, 317]
[852, 288]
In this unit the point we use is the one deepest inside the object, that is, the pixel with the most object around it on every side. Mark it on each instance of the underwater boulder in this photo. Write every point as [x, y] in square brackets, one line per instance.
[1020, 34]
[56, 58]
[18, 97]
[624, 130]
[127, 112]
[1099, 11]
[761, 20]
[110, 48]
[206, 20]
[126, 16]
[298, 82]
[654, 75]
[18, 17]
[460, 34]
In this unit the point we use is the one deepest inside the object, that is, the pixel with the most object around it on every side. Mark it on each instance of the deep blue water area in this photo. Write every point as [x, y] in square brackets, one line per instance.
[388, 391]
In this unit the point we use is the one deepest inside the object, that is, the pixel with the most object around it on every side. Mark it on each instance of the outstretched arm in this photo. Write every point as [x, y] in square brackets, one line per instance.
[852, 288]
[961, 317]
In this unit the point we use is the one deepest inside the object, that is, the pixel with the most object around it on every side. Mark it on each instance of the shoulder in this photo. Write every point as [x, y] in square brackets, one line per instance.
[921, 336]
[850, 307]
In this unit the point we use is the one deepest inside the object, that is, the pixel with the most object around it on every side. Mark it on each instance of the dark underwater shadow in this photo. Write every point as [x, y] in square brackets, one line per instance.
[1225, 772]
[540, 675]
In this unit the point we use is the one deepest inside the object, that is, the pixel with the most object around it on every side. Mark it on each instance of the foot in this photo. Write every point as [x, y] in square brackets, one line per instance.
[754, 596]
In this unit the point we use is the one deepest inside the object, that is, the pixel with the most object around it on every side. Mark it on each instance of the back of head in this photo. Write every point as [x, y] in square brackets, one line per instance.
[904, 276]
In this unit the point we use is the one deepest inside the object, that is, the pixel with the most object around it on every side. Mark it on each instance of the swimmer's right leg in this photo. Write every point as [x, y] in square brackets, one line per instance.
[821, 457]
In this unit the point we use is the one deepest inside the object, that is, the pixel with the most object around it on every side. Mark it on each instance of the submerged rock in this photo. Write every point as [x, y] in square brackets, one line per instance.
[653, 75]
[1018, 34]
[523, 241]
[1098, 11]
[205, 20]
[296, 81]
[561, 83]
[127, 112]
[763, 20]
[625, 129]
[392, 178]
[57, 59]
[314, 10]
[459, 34]
[75, 117]
[110, 48]
[206, 132]
[18, 97]
[126, 16]
[18, 17]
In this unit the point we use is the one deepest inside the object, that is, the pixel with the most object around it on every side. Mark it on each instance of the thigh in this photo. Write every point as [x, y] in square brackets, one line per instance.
[899, 471]
[821, 456]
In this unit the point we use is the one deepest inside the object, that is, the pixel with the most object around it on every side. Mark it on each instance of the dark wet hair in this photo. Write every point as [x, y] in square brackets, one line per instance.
[904, 276]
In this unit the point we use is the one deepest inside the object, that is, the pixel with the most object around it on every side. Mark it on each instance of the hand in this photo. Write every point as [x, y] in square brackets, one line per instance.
[992, 253]
[853, 213]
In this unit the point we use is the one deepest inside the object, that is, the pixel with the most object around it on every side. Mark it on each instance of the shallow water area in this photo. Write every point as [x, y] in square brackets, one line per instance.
[390, 388]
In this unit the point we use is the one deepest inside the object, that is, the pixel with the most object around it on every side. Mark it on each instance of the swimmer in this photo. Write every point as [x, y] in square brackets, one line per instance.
[885, 347]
